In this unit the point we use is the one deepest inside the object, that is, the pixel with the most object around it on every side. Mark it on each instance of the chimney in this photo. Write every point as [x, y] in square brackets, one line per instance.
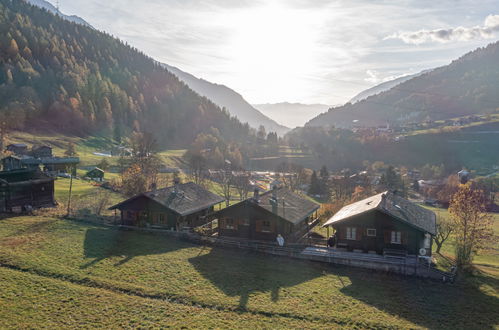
[274, 192]
[176, 182]
[256, 195]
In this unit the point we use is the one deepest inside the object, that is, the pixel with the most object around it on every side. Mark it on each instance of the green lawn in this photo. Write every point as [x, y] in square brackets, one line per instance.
[152, 280]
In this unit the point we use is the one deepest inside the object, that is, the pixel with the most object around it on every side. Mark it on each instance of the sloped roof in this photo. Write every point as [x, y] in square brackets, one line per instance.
[290, 206]
[188, 198]
[393, 205]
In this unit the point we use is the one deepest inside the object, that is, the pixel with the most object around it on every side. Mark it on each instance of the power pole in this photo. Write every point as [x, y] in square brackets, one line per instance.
[70, 189]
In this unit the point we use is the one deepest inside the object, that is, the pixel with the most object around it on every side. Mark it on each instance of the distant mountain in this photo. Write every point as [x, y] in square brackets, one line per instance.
[384, 87]
[64, 77]
[467, 86]
[291, 114]
[51, 8]
[233, 102]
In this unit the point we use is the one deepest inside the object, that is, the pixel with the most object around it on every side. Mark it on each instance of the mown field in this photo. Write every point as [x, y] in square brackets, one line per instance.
[61, 273]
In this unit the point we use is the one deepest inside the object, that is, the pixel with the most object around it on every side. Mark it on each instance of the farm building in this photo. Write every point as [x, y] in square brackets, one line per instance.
[12, 162]
[384, 223]
[53, 165]
[41, 151]
[267, 215]
[182, 205]
[18, 148]
[24, 189]
[95, 174]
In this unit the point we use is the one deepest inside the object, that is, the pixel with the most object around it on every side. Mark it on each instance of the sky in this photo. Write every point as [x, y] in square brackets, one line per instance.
[307, 51]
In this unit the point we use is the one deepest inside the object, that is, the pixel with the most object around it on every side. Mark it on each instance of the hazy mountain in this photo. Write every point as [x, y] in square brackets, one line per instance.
[467, 86]
[225, 97]
[291, 114]
[383, 87]
[51, 8]
[60, 76]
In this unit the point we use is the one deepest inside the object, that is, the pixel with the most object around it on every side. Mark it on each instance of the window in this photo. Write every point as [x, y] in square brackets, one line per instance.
[244, 222]
[266, 226]
[129, 214]
[229, 223]
[351, 233]
[161, 218]
[396, 237]
[427, 241]
[371, 232]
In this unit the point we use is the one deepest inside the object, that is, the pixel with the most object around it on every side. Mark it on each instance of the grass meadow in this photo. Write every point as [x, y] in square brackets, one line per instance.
[51, 268]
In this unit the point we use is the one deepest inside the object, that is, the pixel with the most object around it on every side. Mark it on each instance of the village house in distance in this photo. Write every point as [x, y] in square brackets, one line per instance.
[182, 205]
[386, 224]
[267, 215]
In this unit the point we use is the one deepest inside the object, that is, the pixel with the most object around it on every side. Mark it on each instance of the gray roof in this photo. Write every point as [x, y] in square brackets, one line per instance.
[393, 205]
[290, 206]
[188, 198]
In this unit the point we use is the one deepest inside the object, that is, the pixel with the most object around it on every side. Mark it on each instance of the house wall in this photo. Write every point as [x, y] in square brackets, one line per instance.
[412, 239]
[245, 220]
[143, 211]
[36, 193]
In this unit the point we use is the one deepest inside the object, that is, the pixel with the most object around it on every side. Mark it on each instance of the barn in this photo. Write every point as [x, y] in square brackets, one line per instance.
[267, 215]
[24, 189]
[386, 224]
[175, 207]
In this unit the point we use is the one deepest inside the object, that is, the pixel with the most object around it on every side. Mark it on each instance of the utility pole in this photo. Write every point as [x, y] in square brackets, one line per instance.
[70, 189]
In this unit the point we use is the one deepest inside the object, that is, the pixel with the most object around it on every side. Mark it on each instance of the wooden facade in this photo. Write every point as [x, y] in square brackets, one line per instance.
[260, 218]
[379, 232]
[385, 224]
[173, 208]
[21, 190]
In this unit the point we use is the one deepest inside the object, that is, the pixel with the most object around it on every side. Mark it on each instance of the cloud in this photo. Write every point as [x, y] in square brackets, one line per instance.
[490, 27]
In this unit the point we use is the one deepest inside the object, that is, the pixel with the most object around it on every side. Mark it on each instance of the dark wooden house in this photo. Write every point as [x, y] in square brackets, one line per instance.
[17, 148]
[385, 223]
[25, 189]
[96, 174]
[53, 165]
[182, 205]
[12, 162]
[266, 215]
[41, 151]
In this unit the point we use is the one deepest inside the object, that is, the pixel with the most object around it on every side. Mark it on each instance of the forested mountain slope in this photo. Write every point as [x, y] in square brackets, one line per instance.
[234, 103]
[467, 86]
[48, 6]
[66, 77]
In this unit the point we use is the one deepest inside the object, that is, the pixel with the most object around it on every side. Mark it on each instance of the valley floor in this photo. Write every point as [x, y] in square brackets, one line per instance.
[61, 273]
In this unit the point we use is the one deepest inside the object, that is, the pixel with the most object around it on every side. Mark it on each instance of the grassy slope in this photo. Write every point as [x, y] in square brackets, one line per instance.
[301, 294]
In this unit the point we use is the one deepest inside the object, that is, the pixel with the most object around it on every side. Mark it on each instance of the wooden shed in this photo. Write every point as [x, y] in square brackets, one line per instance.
[182, 205]
[267, 215]
[23, 189]
[17, 148]
[96, 174]
[386, 224]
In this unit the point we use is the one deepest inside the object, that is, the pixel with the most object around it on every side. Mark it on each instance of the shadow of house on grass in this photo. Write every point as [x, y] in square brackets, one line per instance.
[428, 303]
[104, 243]
[243, 273]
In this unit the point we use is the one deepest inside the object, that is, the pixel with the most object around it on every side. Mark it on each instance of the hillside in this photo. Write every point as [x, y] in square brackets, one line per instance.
[61, 76]
[48, 6]
[227, 98]
[384, 87]
[291, 114]
[467, 86]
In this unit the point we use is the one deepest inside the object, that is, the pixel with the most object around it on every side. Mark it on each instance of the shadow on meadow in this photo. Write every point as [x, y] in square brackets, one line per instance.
[429, 303]
[236, 276]
[104, 243]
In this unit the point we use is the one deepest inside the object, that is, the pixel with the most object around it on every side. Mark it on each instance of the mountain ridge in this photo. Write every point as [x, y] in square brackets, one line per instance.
[292, 114]
[467, 86]
[51, 8]
[229, 99]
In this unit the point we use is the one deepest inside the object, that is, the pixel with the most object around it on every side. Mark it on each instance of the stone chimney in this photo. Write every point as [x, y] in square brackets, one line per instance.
[256, 195]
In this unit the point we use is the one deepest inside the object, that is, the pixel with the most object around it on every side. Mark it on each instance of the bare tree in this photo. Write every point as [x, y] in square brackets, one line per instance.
[242, 184]
[472, 225]
[197, 167]
[444, 230]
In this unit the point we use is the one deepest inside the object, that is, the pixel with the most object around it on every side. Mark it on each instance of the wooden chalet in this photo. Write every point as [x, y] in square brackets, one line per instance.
[24, 189]
[17, 148]
[267, 215]
[385, 224]
[41, 151]
[96, 174]
[176, 207]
